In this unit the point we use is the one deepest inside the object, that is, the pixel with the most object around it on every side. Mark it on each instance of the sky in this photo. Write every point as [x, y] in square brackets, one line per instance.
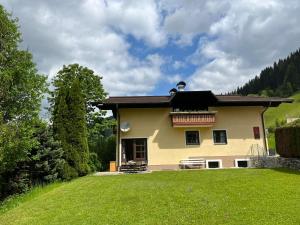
[144, 47]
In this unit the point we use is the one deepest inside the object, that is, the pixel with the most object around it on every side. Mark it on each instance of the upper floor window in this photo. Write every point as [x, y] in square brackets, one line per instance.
[220, 136]
[192, 138]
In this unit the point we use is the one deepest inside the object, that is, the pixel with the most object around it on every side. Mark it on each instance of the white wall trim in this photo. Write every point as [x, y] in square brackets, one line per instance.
[214, 160]
[236, 162]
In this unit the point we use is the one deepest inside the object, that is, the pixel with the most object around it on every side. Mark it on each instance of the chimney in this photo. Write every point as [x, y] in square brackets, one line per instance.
[181, 85]
[173, 91]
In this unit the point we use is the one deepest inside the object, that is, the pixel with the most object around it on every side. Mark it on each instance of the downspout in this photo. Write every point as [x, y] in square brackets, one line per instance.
[118, 138]
[264, 129]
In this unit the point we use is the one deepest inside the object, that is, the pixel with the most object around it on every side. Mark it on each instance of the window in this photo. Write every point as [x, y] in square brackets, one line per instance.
[140, 148]
[192, 138]
[256, 133]
[242, 163]
[213, 163]
[220, 136]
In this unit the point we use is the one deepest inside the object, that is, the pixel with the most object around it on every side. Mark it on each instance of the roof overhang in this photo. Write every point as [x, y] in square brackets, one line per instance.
[189, 99]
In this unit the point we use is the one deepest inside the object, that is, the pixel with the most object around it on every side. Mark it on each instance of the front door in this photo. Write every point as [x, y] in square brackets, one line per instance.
[134, 149]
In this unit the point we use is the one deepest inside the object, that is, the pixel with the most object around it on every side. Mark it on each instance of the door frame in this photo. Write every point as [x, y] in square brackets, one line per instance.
[130, 138]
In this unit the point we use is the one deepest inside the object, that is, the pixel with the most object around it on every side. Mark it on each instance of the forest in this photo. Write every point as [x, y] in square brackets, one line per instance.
[282, 79]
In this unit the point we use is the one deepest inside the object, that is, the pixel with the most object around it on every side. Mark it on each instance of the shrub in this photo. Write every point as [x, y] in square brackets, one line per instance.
[94, 163]
[105, 148]
[68, 172]
[288, 141]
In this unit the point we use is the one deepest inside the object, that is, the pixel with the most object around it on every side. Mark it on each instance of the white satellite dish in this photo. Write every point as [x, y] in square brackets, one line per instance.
[125, 126]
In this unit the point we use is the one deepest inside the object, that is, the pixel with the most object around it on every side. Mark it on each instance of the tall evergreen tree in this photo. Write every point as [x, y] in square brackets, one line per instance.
[69, 123]
[292, 76]
[77, 133]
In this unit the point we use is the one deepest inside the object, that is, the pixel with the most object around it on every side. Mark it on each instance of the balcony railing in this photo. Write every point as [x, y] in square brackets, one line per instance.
[193, 119]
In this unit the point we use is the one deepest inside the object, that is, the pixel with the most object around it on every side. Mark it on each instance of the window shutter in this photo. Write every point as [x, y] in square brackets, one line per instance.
[256, 132]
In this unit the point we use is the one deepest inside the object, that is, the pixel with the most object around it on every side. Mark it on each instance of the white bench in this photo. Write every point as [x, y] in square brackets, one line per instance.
[192, 161]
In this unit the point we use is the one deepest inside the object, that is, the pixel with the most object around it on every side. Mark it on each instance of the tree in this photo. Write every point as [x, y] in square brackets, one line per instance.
[292, 76]
[90, 84]
[282, 79]
[21, 91]
[77, 86]
[21, 88]
[77, 134]
[69, 123]
[45, 159]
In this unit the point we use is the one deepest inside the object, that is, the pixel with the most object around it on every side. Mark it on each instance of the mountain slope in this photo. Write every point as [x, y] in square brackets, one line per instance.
[283, 111]
[281, 79]
[277, 116]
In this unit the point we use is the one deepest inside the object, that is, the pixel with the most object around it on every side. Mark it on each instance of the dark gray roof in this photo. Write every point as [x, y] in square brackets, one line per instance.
[188, 97]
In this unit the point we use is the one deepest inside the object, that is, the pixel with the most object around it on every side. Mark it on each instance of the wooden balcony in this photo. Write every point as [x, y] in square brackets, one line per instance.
[193, 119]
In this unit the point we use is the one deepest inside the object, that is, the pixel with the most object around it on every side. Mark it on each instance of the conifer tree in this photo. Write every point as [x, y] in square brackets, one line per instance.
[69, 123]
[77, 130]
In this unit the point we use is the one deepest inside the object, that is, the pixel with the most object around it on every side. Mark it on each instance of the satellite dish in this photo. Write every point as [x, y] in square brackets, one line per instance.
[125, 126]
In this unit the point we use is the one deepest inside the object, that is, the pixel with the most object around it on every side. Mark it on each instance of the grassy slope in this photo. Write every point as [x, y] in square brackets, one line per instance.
[280, 113]
[232, 196]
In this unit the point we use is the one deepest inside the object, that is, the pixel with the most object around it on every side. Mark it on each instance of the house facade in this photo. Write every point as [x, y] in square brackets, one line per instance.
[160, 131]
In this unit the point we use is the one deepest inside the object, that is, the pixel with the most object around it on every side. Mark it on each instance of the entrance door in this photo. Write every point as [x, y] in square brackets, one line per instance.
[134, 149]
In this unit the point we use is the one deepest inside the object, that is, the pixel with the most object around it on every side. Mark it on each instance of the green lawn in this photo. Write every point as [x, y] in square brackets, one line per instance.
[229, 196]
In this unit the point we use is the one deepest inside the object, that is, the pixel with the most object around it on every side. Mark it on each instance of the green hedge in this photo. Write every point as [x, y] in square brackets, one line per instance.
[288, 141]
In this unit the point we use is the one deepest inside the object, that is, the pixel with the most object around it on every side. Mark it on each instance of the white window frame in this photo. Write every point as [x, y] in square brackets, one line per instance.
[237, 160]
[212, 133]
[214, 160]
[191, 145]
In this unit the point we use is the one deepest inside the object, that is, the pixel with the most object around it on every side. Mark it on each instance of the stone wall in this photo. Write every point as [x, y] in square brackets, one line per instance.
[275, 162]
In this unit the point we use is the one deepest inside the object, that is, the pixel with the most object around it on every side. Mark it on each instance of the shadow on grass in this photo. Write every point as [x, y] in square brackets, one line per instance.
[285, 170]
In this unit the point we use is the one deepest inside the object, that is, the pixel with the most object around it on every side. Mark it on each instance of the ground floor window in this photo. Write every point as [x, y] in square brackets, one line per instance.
[213, 163]
[242, 163]
[192, 137]
[220, 136]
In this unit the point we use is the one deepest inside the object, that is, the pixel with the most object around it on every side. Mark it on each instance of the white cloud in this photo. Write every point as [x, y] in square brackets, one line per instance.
[92, 33]
[138, 18]
[173, 79]
[178, 64]
[250, 36]
[185, 19]
[238, 39]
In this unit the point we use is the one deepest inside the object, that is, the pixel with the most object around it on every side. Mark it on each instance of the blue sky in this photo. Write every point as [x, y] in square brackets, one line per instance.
[145, 47]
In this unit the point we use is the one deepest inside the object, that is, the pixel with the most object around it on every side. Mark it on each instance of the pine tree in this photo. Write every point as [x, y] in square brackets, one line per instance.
[69, 124]
[77, 130]
[292, 76]
[280, 79]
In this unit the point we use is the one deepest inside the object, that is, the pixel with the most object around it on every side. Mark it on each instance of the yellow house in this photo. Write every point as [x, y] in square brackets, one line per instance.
[216, 131]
